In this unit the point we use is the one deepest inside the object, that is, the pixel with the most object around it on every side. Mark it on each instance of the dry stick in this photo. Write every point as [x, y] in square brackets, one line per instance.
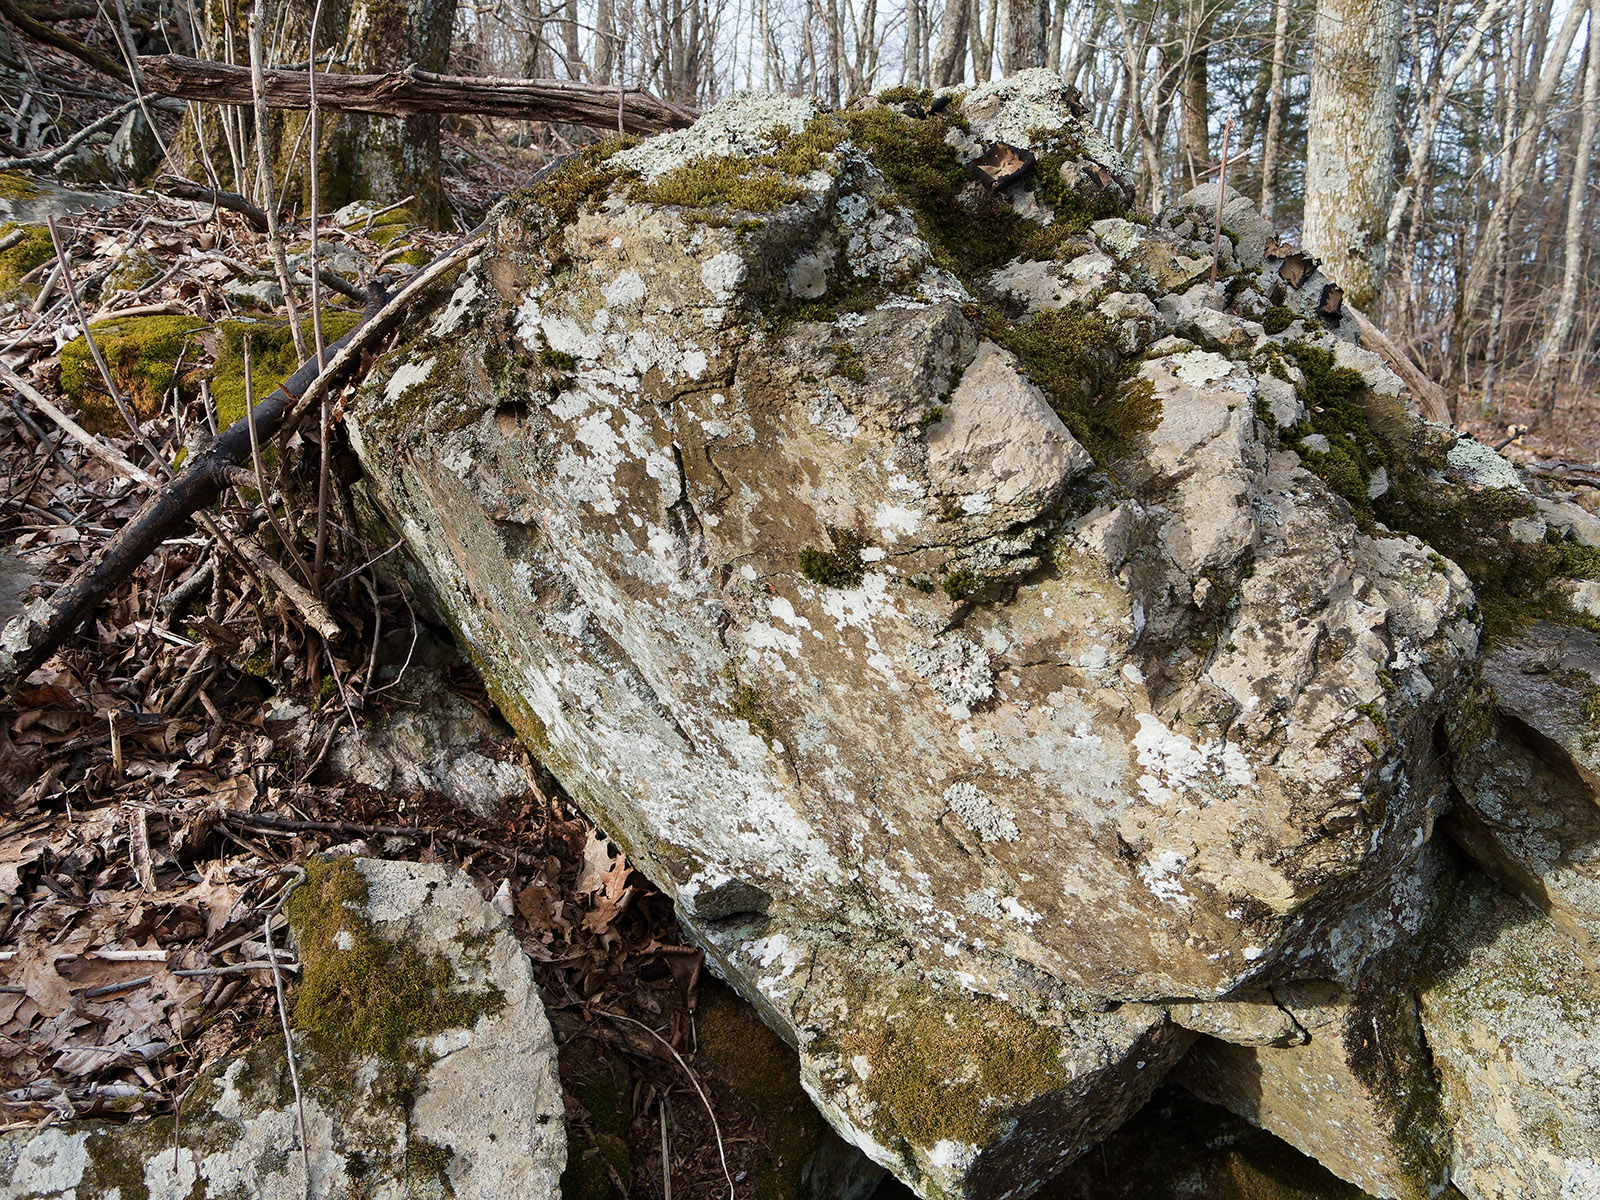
[261, 475]
[715, 1128]
[1222, 195]
[666, 1152]
[183, 189]
[272, 823]
[94, 350]
[44, 33]
[324, 465]
[75, 431]
[410, 92]
[280, 261]
[288, 1038]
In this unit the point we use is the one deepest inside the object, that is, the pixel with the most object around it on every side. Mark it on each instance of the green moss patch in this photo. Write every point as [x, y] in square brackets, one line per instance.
[1071, 354]
[272, 357]
[971, 230]
[14, 186]
[143, 354]
[1277, 319]
[952, 1065]
[840, 567]
[1332, 396]
[751, 183]
[33, 251]
[1515, 582]
[361, 995]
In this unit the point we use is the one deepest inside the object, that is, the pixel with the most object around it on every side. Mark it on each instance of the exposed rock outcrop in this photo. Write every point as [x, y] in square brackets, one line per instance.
[1005, 646]
[426, 1063]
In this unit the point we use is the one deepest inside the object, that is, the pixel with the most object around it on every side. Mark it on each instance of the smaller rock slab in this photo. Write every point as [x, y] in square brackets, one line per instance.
[472, 1112]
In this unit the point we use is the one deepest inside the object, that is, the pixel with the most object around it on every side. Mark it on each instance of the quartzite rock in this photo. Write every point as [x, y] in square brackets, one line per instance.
[961, 776]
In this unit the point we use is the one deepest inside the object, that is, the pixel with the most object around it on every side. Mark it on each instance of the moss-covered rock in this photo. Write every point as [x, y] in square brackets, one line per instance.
[425, 1062]
[147, 356]
[272, 357]
[34, 250]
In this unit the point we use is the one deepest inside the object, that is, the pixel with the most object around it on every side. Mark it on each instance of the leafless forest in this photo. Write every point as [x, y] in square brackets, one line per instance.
[1451, 178]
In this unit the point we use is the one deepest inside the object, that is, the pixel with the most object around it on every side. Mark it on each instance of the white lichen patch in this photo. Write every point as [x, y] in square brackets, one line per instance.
[1175, 766]
[407, 376]
[1483, 467]
[743, 124]
[981, 814]
[957, 668]
[462, 301]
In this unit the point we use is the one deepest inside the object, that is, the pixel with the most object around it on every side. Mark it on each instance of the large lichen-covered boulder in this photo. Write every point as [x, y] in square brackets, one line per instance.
[426, 1065]
[988, 646]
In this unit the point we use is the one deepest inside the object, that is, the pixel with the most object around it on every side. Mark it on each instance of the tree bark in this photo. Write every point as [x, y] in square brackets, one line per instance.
[950, 59]
[1350, 142]
[1547, 359]
[1272, 145]
[1026, 33]
[1195, 126]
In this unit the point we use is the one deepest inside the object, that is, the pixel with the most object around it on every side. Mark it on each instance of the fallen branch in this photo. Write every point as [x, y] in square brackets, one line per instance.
[1430, 396]
[272, 823]
[410, 92]
[183, 189]
[50, 158]
[43, 33]
[32, 638]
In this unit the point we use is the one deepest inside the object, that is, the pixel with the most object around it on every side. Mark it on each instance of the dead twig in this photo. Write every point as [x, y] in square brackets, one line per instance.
[273, 823]
[50, 158]
[288, 1037]
[264, 185]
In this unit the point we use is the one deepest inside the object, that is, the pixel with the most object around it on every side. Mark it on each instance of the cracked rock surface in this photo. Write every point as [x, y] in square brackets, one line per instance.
[960, 635]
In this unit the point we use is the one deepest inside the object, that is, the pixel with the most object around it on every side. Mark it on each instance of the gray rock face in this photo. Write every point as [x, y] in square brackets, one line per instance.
[473, 1113]
[980, 697]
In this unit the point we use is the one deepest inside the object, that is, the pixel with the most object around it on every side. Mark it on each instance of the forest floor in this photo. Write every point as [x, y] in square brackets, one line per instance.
[1573, 437]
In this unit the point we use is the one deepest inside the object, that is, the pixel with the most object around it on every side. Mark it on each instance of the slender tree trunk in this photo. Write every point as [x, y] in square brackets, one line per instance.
[1350, 141]
[1273, 144]
[1508, 77]
[1547, 359]
[1528, 146]
[605, 41]
[1195, 126]
[1026, 30]
[950, 60]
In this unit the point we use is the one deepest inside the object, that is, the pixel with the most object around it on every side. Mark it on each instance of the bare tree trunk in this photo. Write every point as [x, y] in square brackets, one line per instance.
[1427, 125]
[1026, 31]
[605, 42]
[1194, 127]
[1527, 147]
[950, 61]
[1547, 359]
[1508, 77]
[1272, 146]
[910, 72]
[1350, 142]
